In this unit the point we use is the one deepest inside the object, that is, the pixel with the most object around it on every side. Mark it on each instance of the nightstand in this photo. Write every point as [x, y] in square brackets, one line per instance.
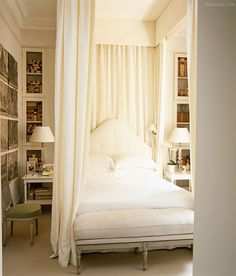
[38, 188]
[172, 177]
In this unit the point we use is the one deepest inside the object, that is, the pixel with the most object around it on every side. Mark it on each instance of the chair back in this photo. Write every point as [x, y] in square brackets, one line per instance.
[6, 195]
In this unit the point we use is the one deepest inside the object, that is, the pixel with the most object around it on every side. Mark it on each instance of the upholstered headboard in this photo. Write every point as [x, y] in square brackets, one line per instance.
[114, 137]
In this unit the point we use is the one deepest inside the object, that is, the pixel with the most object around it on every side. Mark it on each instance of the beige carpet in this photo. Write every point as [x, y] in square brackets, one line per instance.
[20, 259]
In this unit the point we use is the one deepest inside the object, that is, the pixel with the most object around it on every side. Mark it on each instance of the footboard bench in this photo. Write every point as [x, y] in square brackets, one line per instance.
[140, 229]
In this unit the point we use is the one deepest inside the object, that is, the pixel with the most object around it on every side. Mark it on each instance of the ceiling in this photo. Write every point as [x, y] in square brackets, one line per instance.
[41, 14]
[144, 10]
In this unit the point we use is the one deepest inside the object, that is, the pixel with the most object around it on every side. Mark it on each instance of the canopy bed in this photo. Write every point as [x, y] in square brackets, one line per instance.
[130, 205]
[77, 212]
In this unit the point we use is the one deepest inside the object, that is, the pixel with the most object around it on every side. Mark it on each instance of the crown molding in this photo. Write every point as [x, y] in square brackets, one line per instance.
[28, 23]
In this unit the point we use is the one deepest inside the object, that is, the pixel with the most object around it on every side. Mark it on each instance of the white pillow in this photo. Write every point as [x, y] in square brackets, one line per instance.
[100, 162]
[124, 161]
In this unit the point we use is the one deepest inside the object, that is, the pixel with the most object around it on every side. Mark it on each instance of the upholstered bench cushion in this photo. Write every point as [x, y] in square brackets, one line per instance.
[27, 210]
[133, 223]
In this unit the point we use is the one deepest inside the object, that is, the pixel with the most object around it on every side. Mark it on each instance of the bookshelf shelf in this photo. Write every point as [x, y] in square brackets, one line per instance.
[181, 106]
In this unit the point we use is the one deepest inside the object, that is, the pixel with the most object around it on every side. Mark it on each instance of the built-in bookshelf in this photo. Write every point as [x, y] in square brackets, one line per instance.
[181, 93]
[181, 107]
[33, 102]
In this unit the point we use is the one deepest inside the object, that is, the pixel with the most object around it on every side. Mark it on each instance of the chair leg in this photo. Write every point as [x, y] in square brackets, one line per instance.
[4, 232]
[31, 232]
[37, 226]
[11, 228]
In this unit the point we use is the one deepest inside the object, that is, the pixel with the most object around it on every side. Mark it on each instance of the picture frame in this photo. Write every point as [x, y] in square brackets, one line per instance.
[3, 98]
[12, 134]
[30, 167]
[3, 63]
[12, 160]
[12, 71]
[4, 135]
[12, 102]
[4, 165]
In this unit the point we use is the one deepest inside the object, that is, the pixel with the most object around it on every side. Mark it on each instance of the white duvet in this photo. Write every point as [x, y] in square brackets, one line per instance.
[127, 189]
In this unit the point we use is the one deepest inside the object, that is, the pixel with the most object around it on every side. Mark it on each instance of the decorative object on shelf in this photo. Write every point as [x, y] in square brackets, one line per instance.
[34, 155]
[30, 167]
[183, 113]
[42, 134]
[182, 67]
[34, 86]
[34, 70]
[34, 66]
[178, 137]
[171, 166]
[34, 111]
[47, 170]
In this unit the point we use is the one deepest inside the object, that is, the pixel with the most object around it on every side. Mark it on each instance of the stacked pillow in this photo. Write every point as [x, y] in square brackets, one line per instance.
[104, 163]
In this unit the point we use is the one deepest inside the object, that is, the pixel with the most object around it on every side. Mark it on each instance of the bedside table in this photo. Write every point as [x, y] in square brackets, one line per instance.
[38, 188]
[172, 177]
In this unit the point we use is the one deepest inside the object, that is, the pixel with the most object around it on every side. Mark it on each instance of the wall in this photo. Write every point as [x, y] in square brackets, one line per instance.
[12, 45]
[215, 193]
[170, 18]
[123, 32]
[42, 39]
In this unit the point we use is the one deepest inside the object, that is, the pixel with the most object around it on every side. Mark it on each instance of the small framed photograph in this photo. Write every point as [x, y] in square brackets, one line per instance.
[30, 167]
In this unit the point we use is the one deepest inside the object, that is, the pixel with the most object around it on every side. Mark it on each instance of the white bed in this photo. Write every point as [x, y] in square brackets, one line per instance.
[129, 208]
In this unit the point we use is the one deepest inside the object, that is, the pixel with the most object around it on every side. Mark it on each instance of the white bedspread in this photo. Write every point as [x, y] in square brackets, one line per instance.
[132, 190]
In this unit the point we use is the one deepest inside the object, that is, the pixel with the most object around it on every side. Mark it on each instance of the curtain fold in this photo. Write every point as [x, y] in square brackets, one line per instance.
[73, 96]
[161, 105]
[192, 79]
[126, 86]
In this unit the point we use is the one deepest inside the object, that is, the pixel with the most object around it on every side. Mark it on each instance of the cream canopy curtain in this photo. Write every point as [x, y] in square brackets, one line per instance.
[192, 69]
[125, 86]
[161, 104]
[73, 96]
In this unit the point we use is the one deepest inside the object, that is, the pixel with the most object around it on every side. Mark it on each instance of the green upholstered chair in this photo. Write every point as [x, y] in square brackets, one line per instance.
[21, 212]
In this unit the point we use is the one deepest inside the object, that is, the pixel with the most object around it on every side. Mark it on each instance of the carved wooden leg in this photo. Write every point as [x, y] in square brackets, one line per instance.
[31, 232]
[78, 258]
[145, 255]
[4, 232]
[37, 226]
[11, 228]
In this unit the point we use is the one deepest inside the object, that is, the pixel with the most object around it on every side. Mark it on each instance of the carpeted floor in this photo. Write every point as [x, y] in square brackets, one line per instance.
[21, 259]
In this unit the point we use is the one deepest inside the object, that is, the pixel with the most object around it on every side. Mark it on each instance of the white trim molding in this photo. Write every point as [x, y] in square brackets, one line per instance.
[30, 23]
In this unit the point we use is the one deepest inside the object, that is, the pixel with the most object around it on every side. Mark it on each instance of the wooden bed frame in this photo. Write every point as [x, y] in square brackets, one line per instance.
[143, 246]
[110, 138]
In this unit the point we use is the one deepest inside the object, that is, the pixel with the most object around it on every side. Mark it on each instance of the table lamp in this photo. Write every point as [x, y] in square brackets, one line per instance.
[42, 134]
[180, 136]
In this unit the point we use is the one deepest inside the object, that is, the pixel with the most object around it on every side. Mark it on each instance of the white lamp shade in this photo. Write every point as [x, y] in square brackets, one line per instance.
[180, 136]
[42, 134]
